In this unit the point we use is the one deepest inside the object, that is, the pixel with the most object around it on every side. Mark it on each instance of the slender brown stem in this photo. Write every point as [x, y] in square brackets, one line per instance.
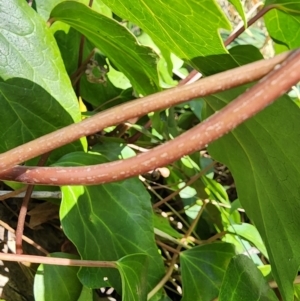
[191, 181]
[80, 55]
[250, 22]
[169, 272]
[139, 107]
[24, 207]
[25, 238]
[57, 261]
[167, 247]
[12, 193]
[82, 67]
[137, 135]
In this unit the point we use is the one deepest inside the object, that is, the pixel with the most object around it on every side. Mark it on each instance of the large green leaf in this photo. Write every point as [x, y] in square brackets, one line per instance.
[137, 62]
[108, 222]
[53, 283]
[28, 50]
[30, 117]
[243, 281]
[182, 27]
[263, 156]
[203, 269]
[133, 270]
[282, 25]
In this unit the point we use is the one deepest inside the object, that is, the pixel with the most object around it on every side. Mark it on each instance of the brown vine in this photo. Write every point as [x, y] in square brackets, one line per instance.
[252, 101]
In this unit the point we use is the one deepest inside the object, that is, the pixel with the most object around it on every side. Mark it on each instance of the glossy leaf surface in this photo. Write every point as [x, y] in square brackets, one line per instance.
[203, 269]
[266, 157]
[243, 281]
[52, 283]
[174, 24]
[29, 51]
[133, 270]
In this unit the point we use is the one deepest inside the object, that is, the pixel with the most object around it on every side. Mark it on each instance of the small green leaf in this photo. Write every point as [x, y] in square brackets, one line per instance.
[161, 223]
[137, 62]
[282, 26]
[239, 7]
[133, 269]
[203, 269]
[250, 233]
[243, 281]
[53, 283]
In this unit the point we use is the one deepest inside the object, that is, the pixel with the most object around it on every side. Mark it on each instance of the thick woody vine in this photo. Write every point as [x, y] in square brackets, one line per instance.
[282, 73]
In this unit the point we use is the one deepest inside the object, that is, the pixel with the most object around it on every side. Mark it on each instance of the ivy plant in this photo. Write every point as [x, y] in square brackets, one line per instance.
[108, 93]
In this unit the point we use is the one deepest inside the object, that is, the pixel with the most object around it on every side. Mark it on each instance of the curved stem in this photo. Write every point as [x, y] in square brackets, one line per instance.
[245, 106]
[139, 107]
[24, 208]
[262, 12]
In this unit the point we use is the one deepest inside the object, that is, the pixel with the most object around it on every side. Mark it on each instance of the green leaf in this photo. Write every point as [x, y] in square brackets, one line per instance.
[108, 222]
[285, 5]
[203, 269]
[239, 7]
[52, 282]
[26, 106]
[243, 281]
[44, 7]
[266, 158]
[282, 26]
[137, 62]
[133, 270]
[182, 27]
[161, 223]
[86, 294]
[28, 50]
[250, 233]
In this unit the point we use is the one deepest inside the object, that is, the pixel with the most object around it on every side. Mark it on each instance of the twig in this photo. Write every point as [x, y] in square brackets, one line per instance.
[57, 261]
[169, 272]
[5, 194]
[191, 181]
[140, 107]
[23, 210]
[12, 194]
[25, 238]
[236, 33]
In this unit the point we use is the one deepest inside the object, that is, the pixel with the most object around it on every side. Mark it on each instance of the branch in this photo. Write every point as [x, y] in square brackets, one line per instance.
[57, 261]
[245, 106]
[139, 107]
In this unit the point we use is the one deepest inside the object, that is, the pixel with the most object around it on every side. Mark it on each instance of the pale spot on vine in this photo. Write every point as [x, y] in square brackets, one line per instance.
[54, 179]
